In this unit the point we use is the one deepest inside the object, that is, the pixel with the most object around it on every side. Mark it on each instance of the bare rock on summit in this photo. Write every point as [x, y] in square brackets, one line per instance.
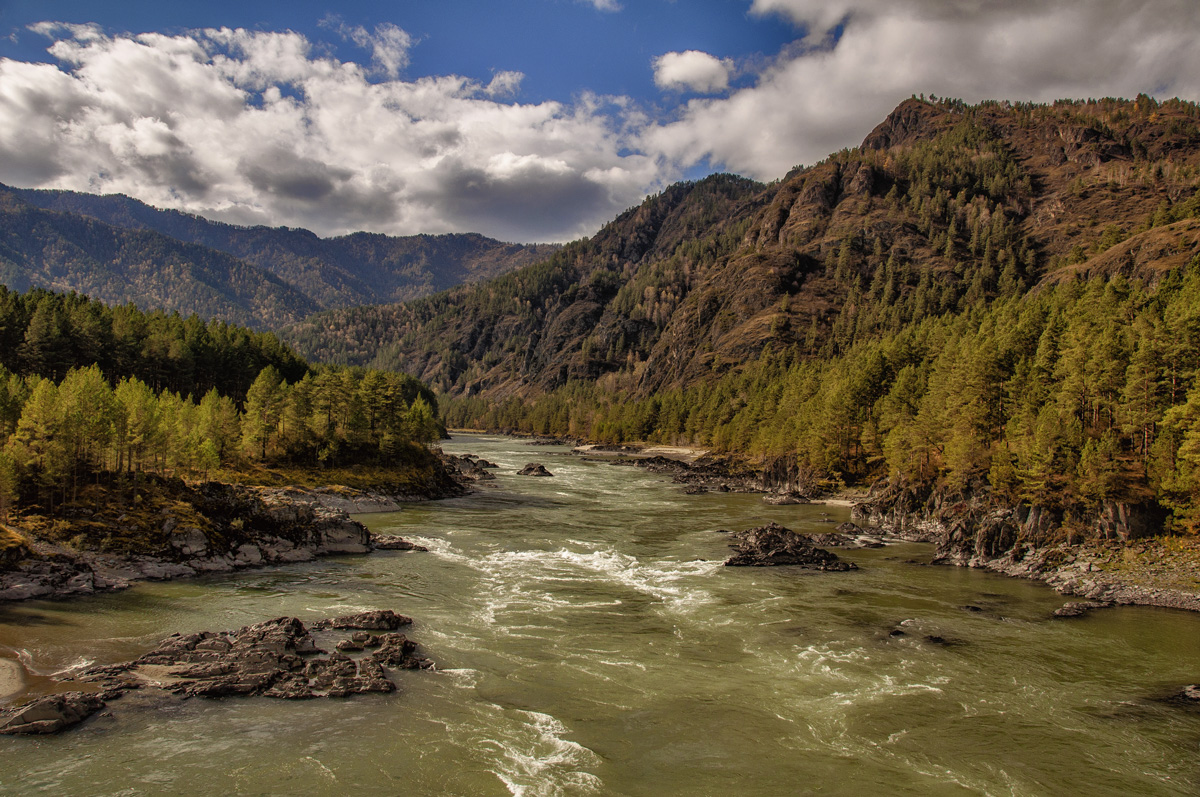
[773, 544]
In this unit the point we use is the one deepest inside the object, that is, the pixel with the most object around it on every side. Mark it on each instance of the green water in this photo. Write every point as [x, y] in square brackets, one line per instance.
[588, 641]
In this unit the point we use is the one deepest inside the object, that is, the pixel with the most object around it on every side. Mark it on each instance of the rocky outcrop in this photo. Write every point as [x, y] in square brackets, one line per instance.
[773, 544]
[279, 658]
[534, 469]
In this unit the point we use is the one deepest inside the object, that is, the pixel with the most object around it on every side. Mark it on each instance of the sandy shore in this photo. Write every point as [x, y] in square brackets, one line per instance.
[12, 677]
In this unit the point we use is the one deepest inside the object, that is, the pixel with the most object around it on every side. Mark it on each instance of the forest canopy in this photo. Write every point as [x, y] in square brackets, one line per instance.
[88, 391]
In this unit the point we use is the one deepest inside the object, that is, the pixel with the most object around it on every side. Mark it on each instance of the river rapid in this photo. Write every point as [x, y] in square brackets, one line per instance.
[589, 641]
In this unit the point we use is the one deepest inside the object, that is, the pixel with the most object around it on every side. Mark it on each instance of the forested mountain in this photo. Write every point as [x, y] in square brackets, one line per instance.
[64, 251]
[997, 299]
[362, 268]
[943, 206]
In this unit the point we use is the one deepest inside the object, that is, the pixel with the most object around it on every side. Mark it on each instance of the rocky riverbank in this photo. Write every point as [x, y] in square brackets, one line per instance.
[280, 658]
[176, 530]
[1113, 555]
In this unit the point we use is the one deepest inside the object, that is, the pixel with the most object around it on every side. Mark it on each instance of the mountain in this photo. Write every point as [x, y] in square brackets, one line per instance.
[943, 205]
[68, 252]
[362, 268]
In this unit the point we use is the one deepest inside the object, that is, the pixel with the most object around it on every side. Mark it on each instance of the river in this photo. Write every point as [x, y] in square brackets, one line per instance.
[589, 641]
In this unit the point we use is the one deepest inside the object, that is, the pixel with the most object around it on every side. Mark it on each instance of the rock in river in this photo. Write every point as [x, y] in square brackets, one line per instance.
[773, 544]
[277, 658]
[534, 469]
[53, 713]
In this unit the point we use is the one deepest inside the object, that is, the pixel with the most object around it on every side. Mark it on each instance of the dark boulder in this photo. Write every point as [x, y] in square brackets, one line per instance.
[534, 469]
[374, 620]
[773, 544]
[391, 542]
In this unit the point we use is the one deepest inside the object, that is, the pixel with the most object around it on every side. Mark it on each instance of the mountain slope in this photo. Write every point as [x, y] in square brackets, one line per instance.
[362, 268]
[63, 251]
[943, 206]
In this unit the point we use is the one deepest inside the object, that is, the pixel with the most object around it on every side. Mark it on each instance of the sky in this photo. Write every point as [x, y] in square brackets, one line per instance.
[529, 120]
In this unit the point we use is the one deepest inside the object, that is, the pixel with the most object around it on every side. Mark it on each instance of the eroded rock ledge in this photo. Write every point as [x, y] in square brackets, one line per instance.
[279, 658]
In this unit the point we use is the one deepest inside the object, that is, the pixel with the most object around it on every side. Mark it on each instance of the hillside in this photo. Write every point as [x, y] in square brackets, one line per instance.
[362, 268]
[944, 205]
[63, 251]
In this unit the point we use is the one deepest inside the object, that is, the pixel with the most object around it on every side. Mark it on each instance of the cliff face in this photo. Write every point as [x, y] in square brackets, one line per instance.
[942, 203]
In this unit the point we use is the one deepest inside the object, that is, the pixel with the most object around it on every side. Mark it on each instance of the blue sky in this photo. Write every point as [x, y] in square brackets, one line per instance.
[562, 46]
[529, 120]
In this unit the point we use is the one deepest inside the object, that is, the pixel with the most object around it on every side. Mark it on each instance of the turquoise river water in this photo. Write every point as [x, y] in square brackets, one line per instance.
[589, 641]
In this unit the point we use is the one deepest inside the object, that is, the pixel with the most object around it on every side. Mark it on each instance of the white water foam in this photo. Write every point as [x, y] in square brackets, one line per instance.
[538, 762]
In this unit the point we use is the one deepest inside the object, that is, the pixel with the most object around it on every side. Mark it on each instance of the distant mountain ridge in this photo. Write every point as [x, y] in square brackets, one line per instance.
[362, 268]
[69, 252]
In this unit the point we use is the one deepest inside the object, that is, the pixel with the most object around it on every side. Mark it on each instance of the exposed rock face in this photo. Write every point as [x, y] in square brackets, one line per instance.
[534, 469]
[278, 658]
[773, 544]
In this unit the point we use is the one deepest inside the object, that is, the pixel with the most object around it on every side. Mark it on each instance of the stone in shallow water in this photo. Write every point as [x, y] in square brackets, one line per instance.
[392, 542]
[374, 620]
[52, 714]
[773, 544]
[1080, 608]
[534, 469]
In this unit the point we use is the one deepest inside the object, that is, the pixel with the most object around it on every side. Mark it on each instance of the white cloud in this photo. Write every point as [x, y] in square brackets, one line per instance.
[827, 92]
[263, 128]
[692, 70]
[389, 45]
[603, 5]
[253, 127]
[504, 84]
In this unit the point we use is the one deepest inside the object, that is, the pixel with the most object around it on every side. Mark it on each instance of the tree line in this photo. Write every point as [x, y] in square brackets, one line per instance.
[176, 397]
[1068, 396]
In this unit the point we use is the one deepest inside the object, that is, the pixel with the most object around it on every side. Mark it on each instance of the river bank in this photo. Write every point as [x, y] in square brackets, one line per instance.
[114, 535]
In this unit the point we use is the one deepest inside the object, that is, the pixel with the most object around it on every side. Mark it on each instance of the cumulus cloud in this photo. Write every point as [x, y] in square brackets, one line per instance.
[856, 59]
[262, 128]
[254, 127]
[692, 70]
